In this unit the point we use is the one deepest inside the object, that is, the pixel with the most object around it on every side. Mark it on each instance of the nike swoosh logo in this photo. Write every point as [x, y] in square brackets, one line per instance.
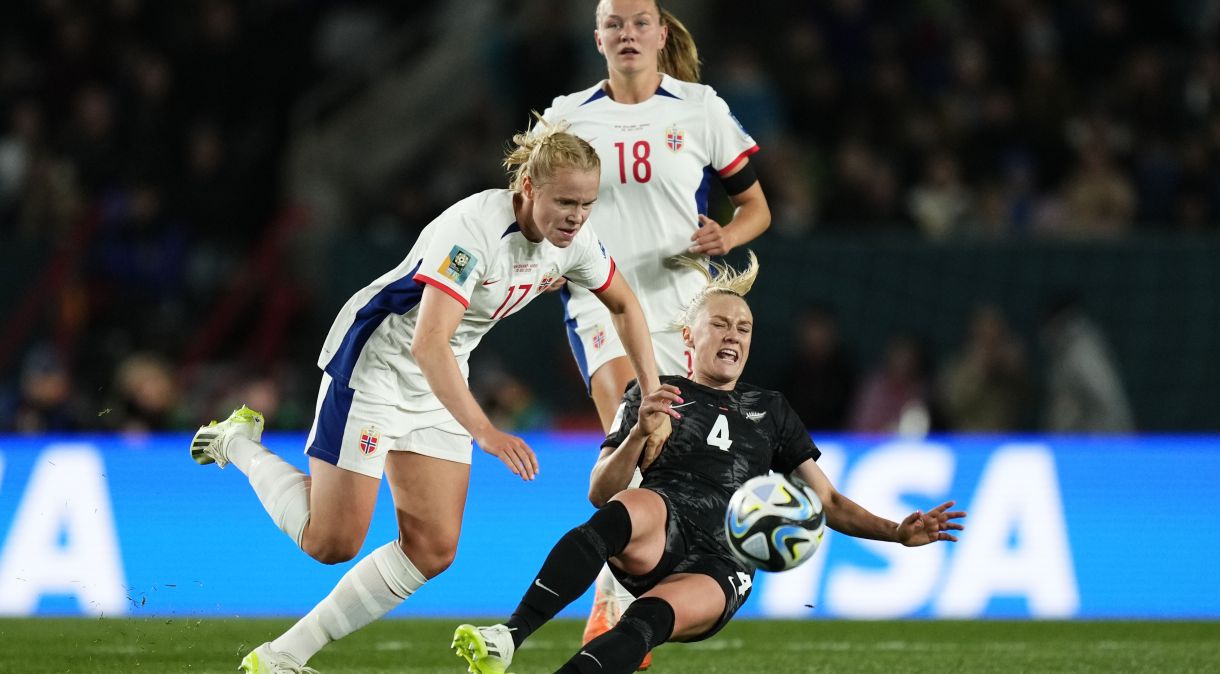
[538, 582]
[590, 655]
[489, 282]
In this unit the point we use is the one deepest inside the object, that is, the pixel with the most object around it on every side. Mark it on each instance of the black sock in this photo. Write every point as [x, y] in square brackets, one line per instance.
[571, 568]
[646, 624]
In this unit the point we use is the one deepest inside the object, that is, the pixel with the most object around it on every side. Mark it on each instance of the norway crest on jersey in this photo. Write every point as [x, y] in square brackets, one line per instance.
[548, 278]
[368, 440]
[674, 138]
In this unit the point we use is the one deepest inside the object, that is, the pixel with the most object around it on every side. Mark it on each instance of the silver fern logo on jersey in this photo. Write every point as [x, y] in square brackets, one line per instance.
[756, 415]
[674, 138]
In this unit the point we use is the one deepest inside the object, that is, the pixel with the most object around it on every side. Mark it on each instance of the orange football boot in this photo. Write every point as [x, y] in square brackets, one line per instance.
[603, 617]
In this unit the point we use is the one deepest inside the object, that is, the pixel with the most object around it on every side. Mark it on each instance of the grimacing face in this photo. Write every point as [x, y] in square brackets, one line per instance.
[560, 206]
[629, 34]
[720, 338]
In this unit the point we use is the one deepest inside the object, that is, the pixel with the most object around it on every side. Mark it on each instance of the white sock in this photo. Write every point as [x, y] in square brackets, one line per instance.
[282, 489]
[621, 595]
[374, 586]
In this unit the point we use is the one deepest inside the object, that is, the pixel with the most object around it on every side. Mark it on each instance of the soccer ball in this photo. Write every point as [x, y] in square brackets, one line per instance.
[774, 522]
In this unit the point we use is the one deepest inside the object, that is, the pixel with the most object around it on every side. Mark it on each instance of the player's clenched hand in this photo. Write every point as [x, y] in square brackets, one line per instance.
[512, 450]
[710, 238]
[920, 528]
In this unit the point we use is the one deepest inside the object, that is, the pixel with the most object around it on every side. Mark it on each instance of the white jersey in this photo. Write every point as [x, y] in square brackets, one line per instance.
[658, 158]
[476, 253]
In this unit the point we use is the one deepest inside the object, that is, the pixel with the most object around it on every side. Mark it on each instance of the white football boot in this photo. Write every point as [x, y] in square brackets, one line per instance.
[211, 442]
[263, 660]
[488, 650]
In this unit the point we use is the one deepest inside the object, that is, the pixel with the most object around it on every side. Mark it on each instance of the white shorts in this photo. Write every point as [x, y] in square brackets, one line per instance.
[354, 431]
[594, 343]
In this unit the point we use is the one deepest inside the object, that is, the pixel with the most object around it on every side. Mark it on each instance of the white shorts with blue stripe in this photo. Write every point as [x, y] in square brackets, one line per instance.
[354, 430]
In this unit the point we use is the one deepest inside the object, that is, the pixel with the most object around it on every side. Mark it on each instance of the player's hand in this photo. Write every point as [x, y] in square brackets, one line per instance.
[656, 409]
[710, 238]
[658, 406]
[655, 442]
[556, 284]
[920, 528]
[512, 450]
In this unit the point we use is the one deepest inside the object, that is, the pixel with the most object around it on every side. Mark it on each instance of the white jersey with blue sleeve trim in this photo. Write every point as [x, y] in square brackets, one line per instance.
[476, 253]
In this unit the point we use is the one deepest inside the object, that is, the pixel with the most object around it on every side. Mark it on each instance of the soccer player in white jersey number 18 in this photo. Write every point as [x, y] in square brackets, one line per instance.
[663, 138]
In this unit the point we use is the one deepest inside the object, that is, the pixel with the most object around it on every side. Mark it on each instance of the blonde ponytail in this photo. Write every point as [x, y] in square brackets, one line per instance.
[679, 58]
[540, 153]
[721, 280]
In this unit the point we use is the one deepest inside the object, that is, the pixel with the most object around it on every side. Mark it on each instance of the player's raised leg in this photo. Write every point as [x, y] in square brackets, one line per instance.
[429, 496]
[610, 599]
[280, 486]
[326, 512]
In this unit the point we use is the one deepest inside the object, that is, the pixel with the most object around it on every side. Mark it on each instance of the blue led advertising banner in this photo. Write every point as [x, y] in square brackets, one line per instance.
[1058, 528]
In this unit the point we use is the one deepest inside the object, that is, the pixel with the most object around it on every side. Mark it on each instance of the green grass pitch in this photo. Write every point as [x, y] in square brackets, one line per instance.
[416, 646]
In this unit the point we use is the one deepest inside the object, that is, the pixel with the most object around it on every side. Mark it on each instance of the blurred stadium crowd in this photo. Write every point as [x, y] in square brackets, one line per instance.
[142, 151]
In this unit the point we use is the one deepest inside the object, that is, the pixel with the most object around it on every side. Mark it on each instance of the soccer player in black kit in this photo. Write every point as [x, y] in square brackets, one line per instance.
[664, 539]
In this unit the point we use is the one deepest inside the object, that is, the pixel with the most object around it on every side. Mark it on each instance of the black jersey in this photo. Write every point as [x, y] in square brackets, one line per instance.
[723, 439]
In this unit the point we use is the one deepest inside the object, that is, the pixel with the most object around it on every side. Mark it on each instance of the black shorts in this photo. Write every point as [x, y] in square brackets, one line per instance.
[689, 550]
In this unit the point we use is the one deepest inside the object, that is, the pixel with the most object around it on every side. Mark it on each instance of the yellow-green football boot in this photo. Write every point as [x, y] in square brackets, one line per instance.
[211, 442]
[488, 650]
[263, 660]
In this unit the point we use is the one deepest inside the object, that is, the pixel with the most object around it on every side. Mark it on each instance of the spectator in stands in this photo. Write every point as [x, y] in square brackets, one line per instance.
[1084, 391]
[45, 400]
[985, 385]
[147, 395]
[1094, 122]
[862, 194]
[941, 204]
[1100, 199]
[896, 396]
[821, 374]
[20, 143]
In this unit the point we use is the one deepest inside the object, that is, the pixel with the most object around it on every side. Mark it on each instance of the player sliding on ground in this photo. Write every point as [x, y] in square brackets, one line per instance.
[664, 138]
[664, 540]
[394, 397]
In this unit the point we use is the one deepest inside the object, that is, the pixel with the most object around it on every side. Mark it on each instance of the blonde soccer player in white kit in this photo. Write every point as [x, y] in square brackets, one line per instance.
[662, 138]
[394, 398]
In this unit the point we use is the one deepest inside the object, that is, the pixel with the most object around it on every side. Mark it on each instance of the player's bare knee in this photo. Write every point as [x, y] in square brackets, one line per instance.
[432, 555]
[331, 549]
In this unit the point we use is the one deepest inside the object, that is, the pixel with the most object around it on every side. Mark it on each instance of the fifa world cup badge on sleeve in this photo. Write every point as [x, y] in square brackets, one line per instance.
[368, 440]
[457, 265]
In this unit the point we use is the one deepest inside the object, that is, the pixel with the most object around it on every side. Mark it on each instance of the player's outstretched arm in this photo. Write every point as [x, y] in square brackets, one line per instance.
[848, 517]
[439, 316]
[632, 329]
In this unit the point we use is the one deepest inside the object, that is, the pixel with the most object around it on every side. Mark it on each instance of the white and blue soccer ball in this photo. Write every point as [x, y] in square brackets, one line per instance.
[774, 522]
